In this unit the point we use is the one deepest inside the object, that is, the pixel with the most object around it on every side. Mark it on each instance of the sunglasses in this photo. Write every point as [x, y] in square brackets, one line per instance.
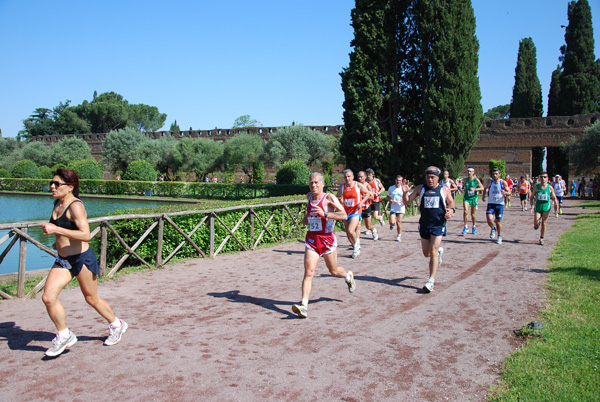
[57, 184]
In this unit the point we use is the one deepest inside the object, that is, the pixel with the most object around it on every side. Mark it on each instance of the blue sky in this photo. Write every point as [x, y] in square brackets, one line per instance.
[205, 63]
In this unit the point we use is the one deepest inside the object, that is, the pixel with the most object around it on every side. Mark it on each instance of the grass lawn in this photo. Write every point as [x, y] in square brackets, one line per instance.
[561, 362]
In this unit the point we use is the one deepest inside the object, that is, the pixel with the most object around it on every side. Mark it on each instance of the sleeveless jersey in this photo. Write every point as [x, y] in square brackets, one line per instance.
[470, 186]
[317, 224]
[559, 189]
[376, 190]
[396, 193]
[351, 197]
[496, 196]
[62, 221]
[446, 183]
[524, 188]
[542, 198]
[432, 204]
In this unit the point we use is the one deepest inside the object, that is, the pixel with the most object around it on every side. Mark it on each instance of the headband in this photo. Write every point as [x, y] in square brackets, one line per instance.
[434, 172]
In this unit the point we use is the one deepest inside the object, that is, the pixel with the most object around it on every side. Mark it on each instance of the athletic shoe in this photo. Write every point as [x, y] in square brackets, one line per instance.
[368, 232]
[392, 227]
[375, 235]
[381, 222]
[399, 237]
[541, 242]
[115, 334]
[465, 230]
[352, 283]
[560, 211]
[556, 215]
[440, 252]
[493, 233]
[355, 253]
[428, 288]
[509, 203]
[60, 344]
[499, 240]
[301, 310]
[474, 230]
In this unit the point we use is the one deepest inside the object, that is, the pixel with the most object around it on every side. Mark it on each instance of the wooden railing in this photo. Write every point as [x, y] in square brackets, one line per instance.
[258, 228]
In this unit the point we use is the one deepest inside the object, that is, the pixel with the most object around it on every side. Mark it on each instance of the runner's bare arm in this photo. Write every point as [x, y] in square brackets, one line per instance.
[406, 198]
[335, 209]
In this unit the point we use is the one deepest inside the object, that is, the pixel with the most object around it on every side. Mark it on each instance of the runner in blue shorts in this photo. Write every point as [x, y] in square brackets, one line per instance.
[497, 189]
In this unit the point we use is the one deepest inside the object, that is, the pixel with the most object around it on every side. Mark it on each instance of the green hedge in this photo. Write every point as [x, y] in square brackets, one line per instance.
[232, 191]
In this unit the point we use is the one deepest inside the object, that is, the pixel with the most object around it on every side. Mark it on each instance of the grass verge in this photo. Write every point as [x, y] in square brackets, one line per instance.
[561, 362]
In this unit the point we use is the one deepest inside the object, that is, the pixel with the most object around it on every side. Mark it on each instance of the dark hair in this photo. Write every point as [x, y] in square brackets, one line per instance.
[70, 177]
[370, 171]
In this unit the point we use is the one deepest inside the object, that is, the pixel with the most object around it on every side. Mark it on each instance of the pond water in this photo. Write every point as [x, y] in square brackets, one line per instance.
[18, 208]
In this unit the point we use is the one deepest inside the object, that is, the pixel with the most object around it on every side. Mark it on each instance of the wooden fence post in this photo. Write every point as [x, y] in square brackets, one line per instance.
[282, 222]
[251, 226]
[159, 243]
[22, 261]
[103, 246]
[211, 221]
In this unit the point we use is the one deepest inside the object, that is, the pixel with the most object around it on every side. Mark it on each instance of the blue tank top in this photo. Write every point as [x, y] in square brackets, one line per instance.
[432, 206]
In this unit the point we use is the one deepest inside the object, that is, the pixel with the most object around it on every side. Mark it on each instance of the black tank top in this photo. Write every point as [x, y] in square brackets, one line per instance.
[63, 221]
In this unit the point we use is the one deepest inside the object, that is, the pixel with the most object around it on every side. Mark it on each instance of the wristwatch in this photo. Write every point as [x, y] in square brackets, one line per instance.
[325, 214]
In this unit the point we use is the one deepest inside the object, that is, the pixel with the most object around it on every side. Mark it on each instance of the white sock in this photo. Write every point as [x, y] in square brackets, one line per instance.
[348, 277]
[431, 280]
[64, 333]
[305, 302]
[116, 323]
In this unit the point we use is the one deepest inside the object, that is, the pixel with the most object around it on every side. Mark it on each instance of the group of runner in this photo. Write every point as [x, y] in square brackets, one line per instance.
[361, 199]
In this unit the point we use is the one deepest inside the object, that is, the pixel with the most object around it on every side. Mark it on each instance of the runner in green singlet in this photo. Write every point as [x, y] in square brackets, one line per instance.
[470, 199]
[541, 196]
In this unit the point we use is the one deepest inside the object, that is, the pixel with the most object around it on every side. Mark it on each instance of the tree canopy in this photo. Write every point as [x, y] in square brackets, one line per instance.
[246, 121]
[585, 153]
[527, 91]
[411, 91]
[311, 146]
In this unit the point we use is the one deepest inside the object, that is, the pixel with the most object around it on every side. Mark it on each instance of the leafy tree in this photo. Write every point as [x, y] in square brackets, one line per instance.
[241, 150]
[140, 171]
[298, 142]
[160, 153]
[174, 127]
[67, 121]
[198, 155]
[498, 112]
[527, 92]
[411, 92]
[38, 151]
[106, 112]
[4, 172]
[70, 149]
[585, 152]
[293, 171]
[258, 171]
[25, 169]
[10, 152]
[246, 121]
[579, 81]
[146, 118]
[121, 147]
[87, 169]
[39, 123]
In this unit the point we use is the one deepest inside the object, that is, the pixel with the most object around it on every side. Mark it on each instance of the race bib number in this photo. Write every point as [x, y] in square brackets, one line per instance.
[315, 224]
[542, 197]
[349, 202]
[470, 192]
[431, 202]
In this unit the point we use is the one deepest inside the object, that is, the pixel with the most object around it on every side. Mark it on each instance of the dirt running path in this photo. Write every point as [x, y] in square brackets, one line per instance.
[222, 329]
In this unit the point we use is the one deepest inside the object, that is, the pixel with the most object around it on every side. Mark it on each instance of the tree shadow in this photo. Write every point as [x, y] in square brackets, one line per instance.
[583, 272]
[234, 296]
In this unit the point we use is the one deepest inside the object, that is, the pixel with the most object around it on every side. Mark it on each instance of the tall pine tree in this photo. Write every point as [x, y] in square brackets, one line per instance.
[527, 94]
[412, 96]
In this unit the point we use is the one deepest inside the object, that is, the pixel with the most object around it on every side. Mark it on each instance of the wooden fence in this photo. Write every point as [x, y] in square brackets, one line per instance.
[287, 210]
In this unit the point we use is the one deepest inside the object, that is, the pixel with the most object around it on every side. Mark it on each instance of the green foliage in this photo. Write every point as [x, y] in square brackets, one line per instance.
[25, 169]
[411, 92]
[4, 172]
[140, 171]
[298, 142]
[37, 151]
[578, 89]
[293, 171]
[87, 169]
[46, 172]
[527, 92]
[70, 149]
[258, 172]
[327, 168]
[246, 121]
[174, 127]
[493, 164]
[121, 147]
[146, 118]
[197, 155]
[241, 150]
[498, 112]
[106, 112]
[160, 153]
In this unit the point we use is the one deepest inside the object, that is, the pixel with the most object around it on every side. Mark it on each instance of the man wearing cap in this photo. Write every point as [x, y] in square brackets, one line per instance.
[470, 199]
[436, 205]
[497, 189]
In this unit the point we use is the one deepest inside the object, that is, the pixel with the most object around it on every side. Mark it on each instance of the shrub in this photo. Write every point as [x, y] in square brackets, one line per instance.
[87, 169]
[498, 164]
[25, 169]
[46, 172]
[4, 173]
[258, 171]
[140, 171]
[293, 171]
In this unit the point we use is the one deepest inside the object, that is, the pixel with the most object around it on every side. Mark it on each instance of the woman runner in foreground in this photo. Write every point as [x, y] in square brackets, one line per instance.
[75, 259]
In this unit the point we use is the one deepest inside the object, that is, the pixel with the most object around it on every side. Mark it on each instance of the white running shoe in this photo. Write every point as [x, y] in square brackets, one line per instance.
[381, 222]
[499, 240]
[375, 235]
[399, 237]
[428, 288]
[493, 233]
[368, 232]
[115, 334]
[541, 243]
[60, 344]
[301, 310]
[352, 283]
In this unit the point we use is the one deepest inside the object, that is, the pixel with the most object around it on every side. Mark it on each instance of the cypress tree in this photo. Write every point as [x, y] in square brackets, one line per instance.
[412, 96]
[527, 94]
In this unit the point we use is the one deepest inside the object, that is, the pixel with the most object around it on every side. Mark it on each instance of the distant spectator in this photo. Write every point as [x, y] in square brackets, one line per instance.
[581, 188]
[214, 179]
[118, 177]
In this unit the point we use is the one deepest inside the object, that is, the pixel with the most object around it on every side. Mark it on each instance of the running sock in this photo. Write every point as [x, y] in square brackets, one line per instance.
[431, 280]
[348, 277]
[64, 333]
[117, 323]
[305, 302]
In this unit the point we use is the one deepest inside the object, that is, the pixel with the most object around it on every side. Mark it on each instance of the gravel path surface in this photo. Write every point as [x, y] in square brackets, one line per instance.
[223, 330]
